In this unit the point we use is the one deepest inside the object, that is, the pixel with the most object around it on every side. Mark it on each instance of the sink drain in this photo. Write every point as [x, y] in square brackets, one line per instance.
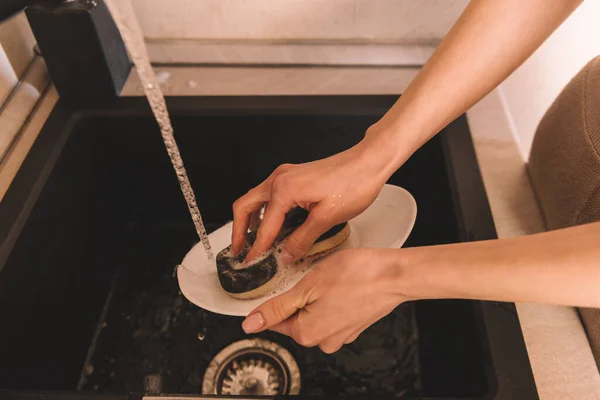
[252, 367]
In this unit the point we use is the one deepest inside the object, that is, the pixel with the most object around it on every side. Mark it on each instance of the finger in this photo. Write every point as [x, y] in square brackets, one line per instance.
[333, 343]
[276, 310]
[254, 220]
[268, 229]
[291, 327]
[242, 208]
[302, 328]
[352, 337]
[347, 336]
[300, 241]
[305, 291]
[285, 327]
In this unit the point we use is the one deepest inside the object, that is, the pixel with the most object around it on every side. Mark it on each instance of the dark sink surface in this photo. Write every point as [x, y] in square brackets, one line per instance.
[151, 326]
[94, 224]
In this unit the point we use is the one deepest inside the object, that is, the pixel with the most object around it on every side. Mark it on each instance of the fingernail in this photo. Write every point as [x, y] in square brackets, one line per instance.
[287, 257]
[253, 323]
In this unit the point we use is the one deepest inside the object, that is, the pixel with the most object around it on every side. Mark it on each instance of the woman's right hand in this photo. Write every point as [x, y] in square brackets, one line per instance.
[333, 190]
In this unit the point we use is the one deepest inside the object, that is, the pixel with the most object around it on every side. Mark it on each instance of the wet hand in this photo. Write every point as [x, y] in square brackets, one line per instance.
[333, 190]
[345, 294]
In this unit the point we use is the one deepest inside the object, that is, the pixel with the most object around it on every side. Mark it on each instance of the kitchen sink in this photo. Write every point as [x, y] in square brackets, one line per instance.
[94, 224]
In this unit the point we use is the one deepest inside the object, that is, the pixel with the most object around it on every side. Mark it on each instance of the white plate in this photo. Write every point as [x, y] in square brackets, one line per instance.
[386, 223]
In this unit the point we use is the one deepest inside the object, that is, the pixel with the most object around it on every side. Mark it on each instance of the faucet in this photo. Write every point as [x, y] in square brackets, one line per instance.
[81, 45]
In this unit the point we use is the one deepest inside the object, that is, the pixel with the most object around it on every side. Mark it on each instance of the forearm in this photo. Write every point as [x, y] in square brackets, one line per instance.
[558, 267]
[487, 43]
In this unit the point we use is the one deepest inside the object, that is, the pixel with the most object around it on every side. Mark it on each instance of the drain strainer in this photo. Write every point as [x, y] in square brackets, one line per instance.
[252, 367]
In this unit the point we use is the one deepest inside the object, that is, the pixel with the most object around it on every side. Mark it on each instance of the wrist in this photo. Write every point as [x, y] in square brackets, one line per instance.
[387, 147]
[420, 273]
[401, 274]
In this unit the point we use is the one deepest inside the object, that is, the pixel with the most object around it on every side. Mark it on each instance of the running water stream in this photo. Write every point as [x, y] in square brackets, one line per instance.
[126, 21]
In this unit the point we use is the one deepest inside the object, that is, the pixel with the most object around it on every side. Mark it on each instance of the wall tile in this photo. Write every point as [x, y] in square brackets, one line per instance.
[381, 20]
[195, 81]
[18, 42]
[8, 78]
[201, 52]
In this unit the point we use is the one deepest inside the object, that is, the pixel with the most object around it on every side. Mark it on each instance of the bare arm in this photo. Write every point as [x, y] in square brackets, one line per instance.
[558, 267]
[489, 41]
[352, 289]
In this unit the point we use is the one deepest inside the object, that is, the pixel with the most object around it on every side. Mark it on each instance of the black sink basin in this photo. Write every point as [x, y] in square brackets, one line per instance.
[94, 224]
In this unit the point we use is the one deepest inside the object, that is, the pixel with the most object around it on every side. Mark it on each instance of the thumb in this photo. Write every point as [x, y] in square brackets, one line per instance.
[300, 241]
[274, 311]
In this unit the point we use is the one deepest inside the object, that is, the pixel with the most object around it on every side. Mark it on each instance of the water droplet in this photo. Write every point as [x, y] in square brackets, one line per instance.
[192, 84]
[150, 86]
[201, 336]
[163, 76]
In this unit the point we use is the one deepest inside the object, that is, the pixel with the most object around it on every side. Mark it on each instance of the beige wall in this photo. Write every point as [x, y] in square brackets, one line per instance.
[533, 87]
[18, 41]
[17, 99]
[377, 20]
[8, 78]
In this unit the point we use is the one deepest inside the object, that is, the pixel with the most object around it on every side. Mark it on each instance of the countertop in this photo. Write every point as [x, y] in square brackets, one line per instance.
[560, 355]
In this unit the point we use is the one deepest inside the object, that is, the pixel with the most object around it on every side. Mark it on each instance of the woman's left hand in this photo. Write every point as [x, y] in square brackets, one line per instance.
[331, 306]
[352, 289]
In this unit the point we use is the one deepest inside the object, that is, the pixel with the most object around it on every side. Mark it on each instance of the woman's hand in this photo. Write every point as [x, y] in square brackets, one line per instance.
[345, 294]
[333, 190]
[478, 53]
[352, 289]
